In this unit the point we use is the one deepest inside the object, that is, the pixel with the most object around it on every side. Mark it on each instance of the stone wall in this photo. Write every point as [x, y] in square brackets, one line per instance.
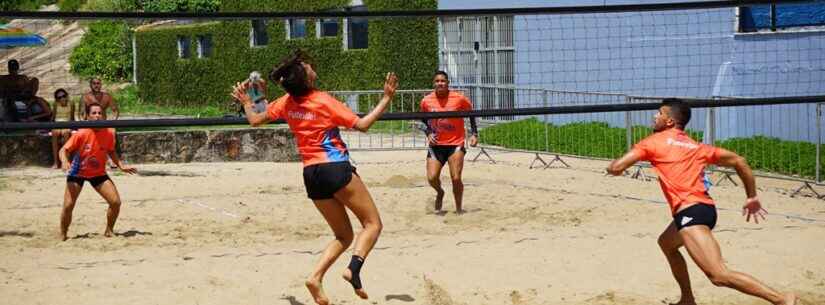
[250, 144]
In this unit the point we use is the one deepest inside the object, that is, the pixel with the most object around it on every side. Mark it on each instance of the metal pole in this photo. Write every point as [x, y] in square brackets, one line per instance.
[546, 123]
[773, 17]
[710, 126]
[818, 142]
[134, 58]
[710, 130]
[627, 125]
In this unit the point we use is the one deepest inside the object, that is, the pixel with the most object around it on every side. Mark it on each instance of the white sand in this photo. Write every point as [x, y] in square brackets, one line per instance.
[244, 233]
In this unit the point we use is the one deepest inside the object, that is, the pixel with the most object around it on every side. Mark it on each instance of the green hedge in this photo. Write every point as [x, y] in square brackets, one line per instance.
[599, 140]
[24, 5]
[593, 139]
[105, 51]
[180, 5]
[110, 6]
[775, 155]
[21, 5]
[70, 5]
[406, 46]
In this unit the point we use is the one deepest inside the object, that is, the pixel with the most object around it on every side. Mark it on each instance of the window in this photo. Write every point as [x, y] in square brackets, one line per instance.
[258, 35]
[327, 28]
[204, 46]
[479, 55]
[296, 28]
[356, 30]
[183, 47]
[781, 16]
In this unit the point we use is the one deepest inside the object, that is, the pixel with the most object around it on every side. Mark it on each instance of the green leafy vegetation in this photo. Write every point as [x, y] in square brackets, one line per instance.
[406, 46]
[104, 51]
[599, 140]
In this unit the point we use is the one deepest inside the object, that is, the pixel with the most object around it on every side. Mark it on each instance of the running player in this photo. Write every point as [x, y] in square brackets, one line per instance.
[680, 163]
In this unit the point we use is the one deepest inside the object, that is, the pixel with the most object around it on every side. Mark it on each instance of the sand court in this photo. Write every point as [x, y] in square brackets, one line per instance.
[245, 233]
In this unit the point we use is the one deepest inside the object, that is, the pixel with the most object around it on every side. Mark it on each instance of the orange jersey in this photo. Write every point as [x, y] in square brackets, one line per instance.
[680, 163]
[91, 151]
[314, 120]
[447, 131]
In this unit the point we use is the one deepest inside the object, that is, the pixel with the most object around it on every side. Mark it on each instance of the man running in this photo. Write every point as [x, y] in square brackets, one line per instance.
[680, 162]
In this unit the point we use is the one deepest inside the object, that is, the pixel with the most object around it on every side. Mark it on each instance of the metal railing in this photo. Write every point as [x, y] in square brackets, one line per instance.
[779, 141]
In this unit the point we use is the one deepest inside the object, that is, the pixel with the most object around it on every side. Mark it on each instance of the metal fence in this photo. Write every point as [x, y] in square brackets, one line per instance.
[779, 141]
[385, 135]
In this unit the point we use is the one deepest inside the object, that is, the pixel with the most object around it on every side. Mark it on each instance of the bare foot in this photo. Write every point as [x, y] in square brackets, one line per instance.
[348, 277]
[684, 302]
[317, 291]
[108, 233]
[789, 299]
[55, 166]
[460, 211]
[63, 237]
[439, 200]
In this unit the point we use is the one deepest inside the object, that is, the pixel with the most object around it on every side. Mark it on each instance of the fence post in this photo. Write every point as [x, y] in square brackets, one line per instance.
[628, 125]
[818, 142]
[710, 125]
[546, 131]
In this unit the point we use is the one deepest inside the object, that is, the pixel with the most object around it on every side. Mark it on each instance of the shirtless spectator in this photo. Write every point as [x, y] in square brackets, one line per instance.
[18, 86]
[16, 91]
[98, 96]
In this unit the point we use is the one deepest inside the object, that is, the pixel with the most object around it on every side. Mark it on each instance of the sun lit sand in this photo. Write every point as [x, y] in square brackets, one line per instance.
[245, 233]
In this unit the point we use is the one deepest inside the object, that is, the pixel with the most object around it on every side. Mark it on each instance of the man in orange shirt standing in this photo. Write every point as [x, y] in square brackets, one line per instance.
[446, 138]
[680, 162]
[91, 147]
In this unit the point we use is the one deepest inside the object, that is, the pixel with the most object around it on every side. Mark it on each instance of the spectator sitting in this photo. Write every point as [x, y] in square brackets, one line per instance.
[18, 86]
[15, 92]
[34, 109]
[62, 111]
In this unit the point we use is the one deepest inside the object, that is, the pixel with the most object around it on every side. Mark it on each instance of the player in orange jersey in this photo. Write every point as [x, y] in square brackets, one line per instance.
[331, 181]
[91, 147]
[446, 138]
[680, 162]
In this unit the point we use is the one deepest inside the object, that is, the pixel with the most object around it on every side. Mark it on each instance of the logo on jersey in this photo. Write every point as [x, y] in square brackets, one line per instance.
[444, 125]
[688, 145]
[92, 162]
[300, 115]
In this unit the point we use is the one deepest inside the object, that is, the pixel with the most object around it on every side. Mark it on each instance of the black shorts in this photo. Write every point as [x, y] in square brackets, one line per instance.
[443, 152]
[323, 180]
[697, 214]
[94, 181]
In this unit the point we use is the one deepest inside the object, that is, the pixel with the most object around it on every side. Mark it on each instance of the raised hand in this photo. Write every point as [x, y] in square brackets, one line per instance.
[239, 93]
[390, 84]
